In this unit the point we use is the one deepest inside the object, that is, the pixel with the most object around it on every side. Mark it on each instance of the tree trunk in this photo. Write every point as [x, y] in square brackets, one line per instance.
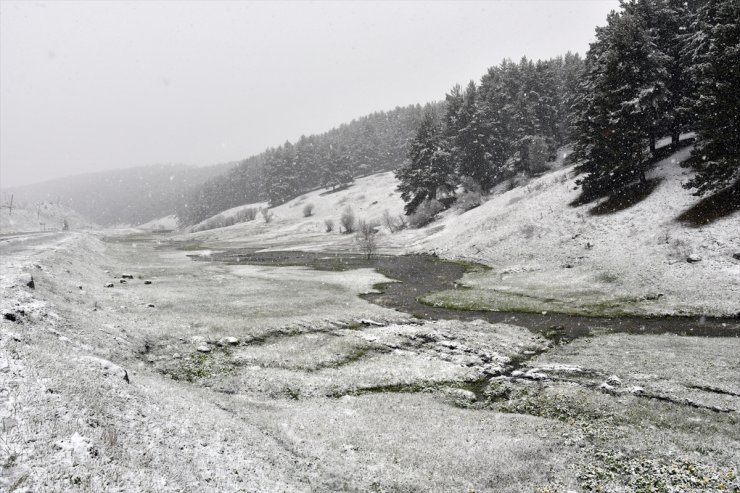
[675, 137]
[652, 144]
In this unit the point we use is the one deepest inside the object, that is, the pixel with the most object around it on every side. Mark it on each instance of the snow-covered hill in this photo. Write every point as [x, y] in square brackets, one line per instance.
[42, 216]
[545, 253]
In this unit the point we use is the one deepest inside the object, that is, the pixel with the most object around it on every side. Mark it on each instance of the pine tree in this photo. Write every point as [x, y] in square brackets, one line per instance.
[470, 141]
[715, 50]
[427, 167]
[623, 88]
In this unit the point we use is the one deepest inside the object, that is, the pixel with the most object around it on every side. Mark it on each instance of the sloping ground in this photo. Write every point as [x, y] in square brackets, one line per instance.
[288, 229]
[549, 255]
[40, 217]
[102, 392]
[607, 257]
[167, 223]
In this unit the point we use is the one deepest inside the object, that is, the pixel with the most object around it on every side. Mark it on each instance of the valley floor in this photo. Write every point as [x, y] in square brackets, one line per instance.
[210, 376]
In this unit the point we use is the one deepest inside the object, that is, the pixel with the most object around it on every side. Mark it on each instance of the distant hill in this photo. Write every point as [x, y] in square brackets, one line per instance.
[126, 196]
[26, 217]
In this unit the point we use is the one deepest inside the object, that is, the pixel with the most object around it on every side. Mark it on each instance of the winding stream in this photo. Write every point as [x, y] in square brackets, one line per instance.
[417, 275]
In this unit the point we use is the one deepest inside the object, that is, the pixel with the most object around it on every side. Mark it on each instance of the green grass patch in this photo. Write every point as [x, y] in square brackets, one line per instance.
[189, 247]
[498, 301]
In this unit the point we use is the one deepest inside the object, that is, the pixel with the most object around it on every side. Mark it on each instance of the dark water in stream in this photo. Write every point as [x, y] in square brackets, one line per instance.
[422, 274]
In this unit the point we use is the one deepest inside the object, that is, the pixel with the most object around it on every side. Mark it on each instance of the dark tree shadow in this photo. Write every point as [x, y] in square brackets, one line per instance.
[600, 190]
[339, 188]
[625, 197]
[712, 208]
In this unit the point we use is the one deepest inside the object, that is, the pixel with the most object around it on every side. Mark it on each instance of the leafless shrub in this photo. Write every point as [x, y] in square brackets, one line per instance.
[347, 221]
[308, 210]
[679, 248]
[425, 213]
[389, 221]
[469, 200]
[528, 230]
[366, 237]
[267, 215]
[402, 222]
[109, 436]
[248, 214]
[329, 225]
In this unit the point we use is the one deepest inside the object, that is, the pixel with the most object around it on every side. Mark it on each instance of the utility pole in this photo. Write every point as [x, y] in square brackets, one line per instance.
[11, 205]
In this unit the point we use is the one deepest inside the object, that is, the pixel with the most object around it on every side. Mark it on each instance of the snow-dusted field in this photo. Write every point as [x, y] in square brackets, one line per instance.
[205, 376]
[545, 254]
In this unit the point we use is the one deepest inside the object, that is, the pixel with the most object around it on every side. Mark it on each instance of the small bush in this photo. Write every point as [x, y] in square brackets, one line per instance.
[329, 225]
[469, 200]
[267, 215]
[347, 221]
[425, 213]
[308, 210]
[394, 223]
[470, 185]
[528, 231]
[366, 238]
[244, 215]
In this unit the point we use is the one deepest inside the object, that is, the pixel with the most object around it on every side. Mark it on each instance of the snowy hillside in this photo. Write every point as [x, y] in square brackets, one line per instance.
[545, 254]
[367, 197]
[38, 217]
[634, 260]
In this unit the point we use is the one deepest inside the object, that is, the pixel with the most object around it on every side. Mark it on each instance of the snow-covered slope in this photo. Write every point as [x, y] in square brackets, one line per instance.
[539, 246]
[162, 223]
[39, 217]
[368, 198]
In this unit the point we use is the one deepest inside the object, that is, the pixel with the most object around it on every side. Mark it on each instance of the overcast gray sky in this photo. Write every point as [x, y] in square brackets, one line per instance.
[101, 85]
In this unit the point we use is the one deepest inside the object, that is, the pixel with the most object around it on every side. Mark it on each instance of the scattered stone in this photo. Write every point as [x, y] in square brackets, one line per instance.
[150, 305]
[653, 296]
[736, 255]
[614, 381]
[449, 344]
[517, 373]
[27, 280]
[693, 258]
[176, 356]
[370, 322]
[461, 396]
[231, 341]
[109, 285]
[535, 375]
[79, 287]
[8, 315]
[122, 281]
[147, 282]
[126, 276]
[203, 349]
[637, 390]
[606, 387]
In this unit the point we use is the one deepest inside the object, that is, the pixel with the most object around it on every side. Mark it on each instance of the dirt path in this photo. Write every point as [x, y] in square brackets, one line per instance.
[418, 275]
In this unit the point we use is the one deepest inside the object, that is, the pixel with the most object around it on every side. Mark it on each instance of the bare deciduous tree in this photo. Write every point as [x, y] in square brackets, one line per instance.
[366, 238]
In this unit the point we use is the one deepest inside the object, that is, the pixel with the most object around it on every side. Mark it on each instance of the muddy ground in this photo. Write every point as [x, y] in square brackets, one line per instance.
[419, 275]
